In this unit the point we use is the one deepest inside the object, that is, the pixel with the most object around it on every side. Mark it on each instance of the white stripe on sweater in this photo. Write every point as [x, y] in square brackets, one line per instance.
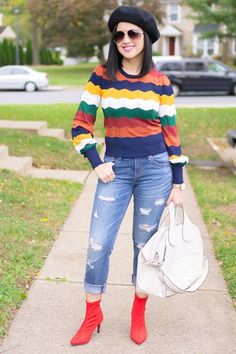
[128, 103]
[83, 143]
[90, 98]
[167, 110]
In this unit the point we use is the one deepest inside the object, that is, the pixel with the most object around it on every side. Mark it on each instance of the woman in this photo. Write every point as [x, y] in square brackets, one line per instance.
[143, 155]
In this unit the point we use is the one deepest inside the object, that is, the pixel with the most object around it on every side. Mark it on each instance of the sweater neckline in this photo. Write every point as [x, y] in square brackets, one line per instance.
[130, 76]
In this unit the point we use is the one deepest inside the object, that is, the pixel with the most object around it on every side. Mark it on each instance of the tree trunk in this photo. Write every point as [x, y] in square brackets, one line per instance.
[225, 50]
[35, 47]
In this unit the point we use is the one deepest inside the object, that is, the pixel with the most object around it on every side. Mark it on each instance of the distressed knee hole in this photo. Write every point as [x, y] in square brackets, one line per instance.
[140, 245]
[90, 264]
[159, 202]
[145, 211]
[95, 214]
[147, 227]
[95, 246]
[106, 199]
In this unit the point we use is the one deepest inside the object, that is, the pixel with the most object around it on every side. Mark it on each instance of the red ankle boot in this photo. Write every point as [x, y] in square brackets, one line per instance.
[93, 319]
[138, 332]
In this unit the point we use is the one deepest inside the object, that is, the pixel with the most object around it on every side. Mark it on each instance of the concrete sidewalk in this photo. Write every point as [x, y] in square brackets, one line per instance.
[199, 323]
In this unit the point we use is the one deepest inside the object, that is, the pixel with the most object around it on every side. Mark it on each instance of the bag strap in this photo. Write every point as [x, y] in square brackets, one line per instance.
[173, 221]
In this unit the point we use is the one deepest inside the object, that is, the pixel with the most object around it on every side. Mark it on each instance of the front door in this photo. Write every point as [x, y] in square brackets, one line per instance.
[171, 45]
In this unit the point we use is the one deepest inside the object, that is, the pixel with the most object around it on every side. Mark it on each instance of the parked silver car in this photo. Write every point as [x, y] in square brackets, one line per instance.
[19, 77]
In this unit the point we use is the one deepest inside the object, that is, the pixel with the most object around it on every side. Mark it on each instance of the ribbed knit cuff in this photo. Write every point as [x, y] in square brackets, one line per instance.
[177, 172]
[93, 157]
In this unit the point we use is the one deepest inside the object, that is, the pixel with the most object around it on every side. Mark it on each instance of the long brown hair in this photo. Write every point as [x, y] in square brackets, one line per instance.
[114, 60]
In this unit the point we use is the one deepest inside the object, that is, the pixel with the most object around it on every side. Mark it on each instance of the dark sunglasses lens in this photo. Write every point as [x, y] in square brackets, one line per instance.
[133, 34]
[118, 36]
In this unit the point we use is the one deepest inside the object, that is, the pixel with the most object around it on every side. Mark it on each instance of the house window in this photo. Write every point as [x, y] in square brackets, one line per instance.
[174, 13]
[210, 45]
[206, 46]
[200, 46]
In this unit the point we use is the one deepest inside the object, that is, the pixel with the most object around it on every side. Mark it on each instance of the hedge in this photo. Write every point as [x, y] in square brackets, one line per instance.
[8, 54]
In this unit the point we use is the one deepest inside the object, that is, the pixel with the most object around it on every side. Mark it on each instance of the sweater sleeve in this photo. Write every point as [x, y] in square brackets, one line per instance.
[167, 115]
[83, 125]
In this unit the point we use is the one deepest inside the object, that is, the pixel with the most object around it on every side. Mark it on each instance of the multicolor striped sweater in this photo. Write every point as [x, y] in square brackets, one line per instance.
[139, 118]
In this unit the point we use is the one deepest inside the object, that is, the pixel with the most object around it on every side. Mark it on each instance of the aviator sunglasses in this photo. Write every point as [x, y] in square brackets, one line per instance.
[133, 34]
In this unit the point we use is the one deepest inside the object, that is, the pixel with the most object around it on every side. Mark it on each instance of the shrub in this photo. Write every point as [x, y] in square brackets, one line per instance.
[29, 53]
[48, 57]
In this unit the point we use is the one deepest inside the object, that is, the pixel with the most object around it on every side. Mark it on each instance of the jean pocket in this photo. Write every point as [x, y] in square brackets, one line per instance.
[161, 160]
[114, 160]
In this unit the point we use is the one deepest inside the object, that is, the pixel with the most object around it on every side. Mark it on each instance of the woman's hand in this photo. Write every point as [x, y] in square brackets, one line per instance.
[105, 172]
[176, 195]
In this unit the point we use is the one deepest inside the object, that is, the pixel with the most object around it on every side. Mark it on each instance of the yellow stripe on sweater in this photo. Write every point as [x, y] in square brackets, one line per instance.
[149, 95]
[77, 140]
[93, 89]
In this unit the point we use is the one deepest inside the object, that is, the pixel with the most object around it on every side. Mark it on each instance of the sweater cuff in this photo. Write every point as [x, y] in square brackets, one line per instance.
[177, 172]
[93, 157]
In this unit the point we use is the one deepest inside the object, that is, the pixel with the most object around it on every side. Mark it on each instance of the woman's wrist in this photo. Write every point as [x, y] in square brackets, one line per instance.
[180, 186]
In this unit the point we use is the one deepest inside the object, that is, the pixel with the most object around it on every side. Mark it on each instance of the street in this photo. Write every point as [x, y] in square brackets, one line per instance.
[72, 95]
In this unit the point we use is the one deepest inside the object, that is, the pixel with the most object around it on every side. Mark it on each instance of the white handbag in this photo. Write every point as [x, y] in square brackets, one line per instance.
[172, 261]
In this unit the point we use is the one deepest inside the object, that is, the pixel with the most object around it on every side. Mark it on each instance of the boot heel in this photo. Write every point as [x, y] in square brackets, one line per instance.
[93, 319]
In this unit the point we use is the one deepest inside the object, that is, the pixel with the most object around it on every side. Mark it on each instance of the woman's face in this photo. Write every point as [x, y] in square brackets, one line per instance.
[132, 47]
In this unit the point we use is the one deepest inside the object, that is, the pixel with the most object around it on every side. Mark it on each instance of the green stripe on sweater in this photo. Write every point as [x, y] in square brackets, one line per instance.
[88, 108]
[130, 113]
[87, 147]
[167, 120]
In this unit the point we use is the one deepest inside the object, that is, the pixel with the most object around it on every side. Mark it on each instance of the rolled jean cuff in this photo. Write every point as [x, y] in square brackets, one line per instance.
[94, 289]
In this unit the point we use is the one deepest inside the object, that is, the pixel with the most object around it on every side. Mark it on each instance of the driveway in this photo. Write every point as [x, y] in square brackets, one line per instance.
[72, 95]
[52, 95]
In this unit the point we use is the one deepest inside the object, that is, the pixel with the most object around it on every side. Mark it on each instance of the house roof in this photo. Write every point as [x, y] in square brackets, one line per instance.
[170, 31]
[7, 32]
[200, 28]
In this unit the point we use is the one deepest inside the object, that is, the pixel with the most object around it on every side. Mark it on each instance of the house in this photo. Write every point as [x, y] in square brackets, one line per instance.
[6, 32]
[181, 35]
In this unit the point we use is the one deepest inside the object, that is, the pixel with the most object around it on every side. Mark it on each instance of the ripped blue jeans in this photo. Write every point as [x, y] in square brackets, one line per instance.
[149, 181]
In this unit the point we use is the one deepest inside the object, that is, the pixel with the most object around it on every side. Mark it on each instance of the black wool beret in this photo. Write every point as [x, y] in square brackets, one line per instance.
[136, 16]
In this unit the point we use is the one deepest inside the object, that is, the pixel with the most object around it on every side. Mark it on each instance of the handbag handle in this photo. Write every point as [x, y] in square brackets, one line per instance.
[173, 241]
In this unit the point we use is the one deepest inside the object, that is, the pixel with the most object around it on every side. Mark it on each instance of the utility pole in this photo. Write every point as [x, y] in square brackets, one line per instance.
[16, 11]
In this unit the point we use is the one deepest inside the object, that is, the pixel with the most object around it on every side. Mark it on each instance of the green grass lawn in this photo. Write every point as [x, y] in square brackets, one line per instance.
[57, 115]
[215, 189]
[68, 75]
[32, 212]
[195, 125]
[216, 195]
[47, 152]
[76, 75]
